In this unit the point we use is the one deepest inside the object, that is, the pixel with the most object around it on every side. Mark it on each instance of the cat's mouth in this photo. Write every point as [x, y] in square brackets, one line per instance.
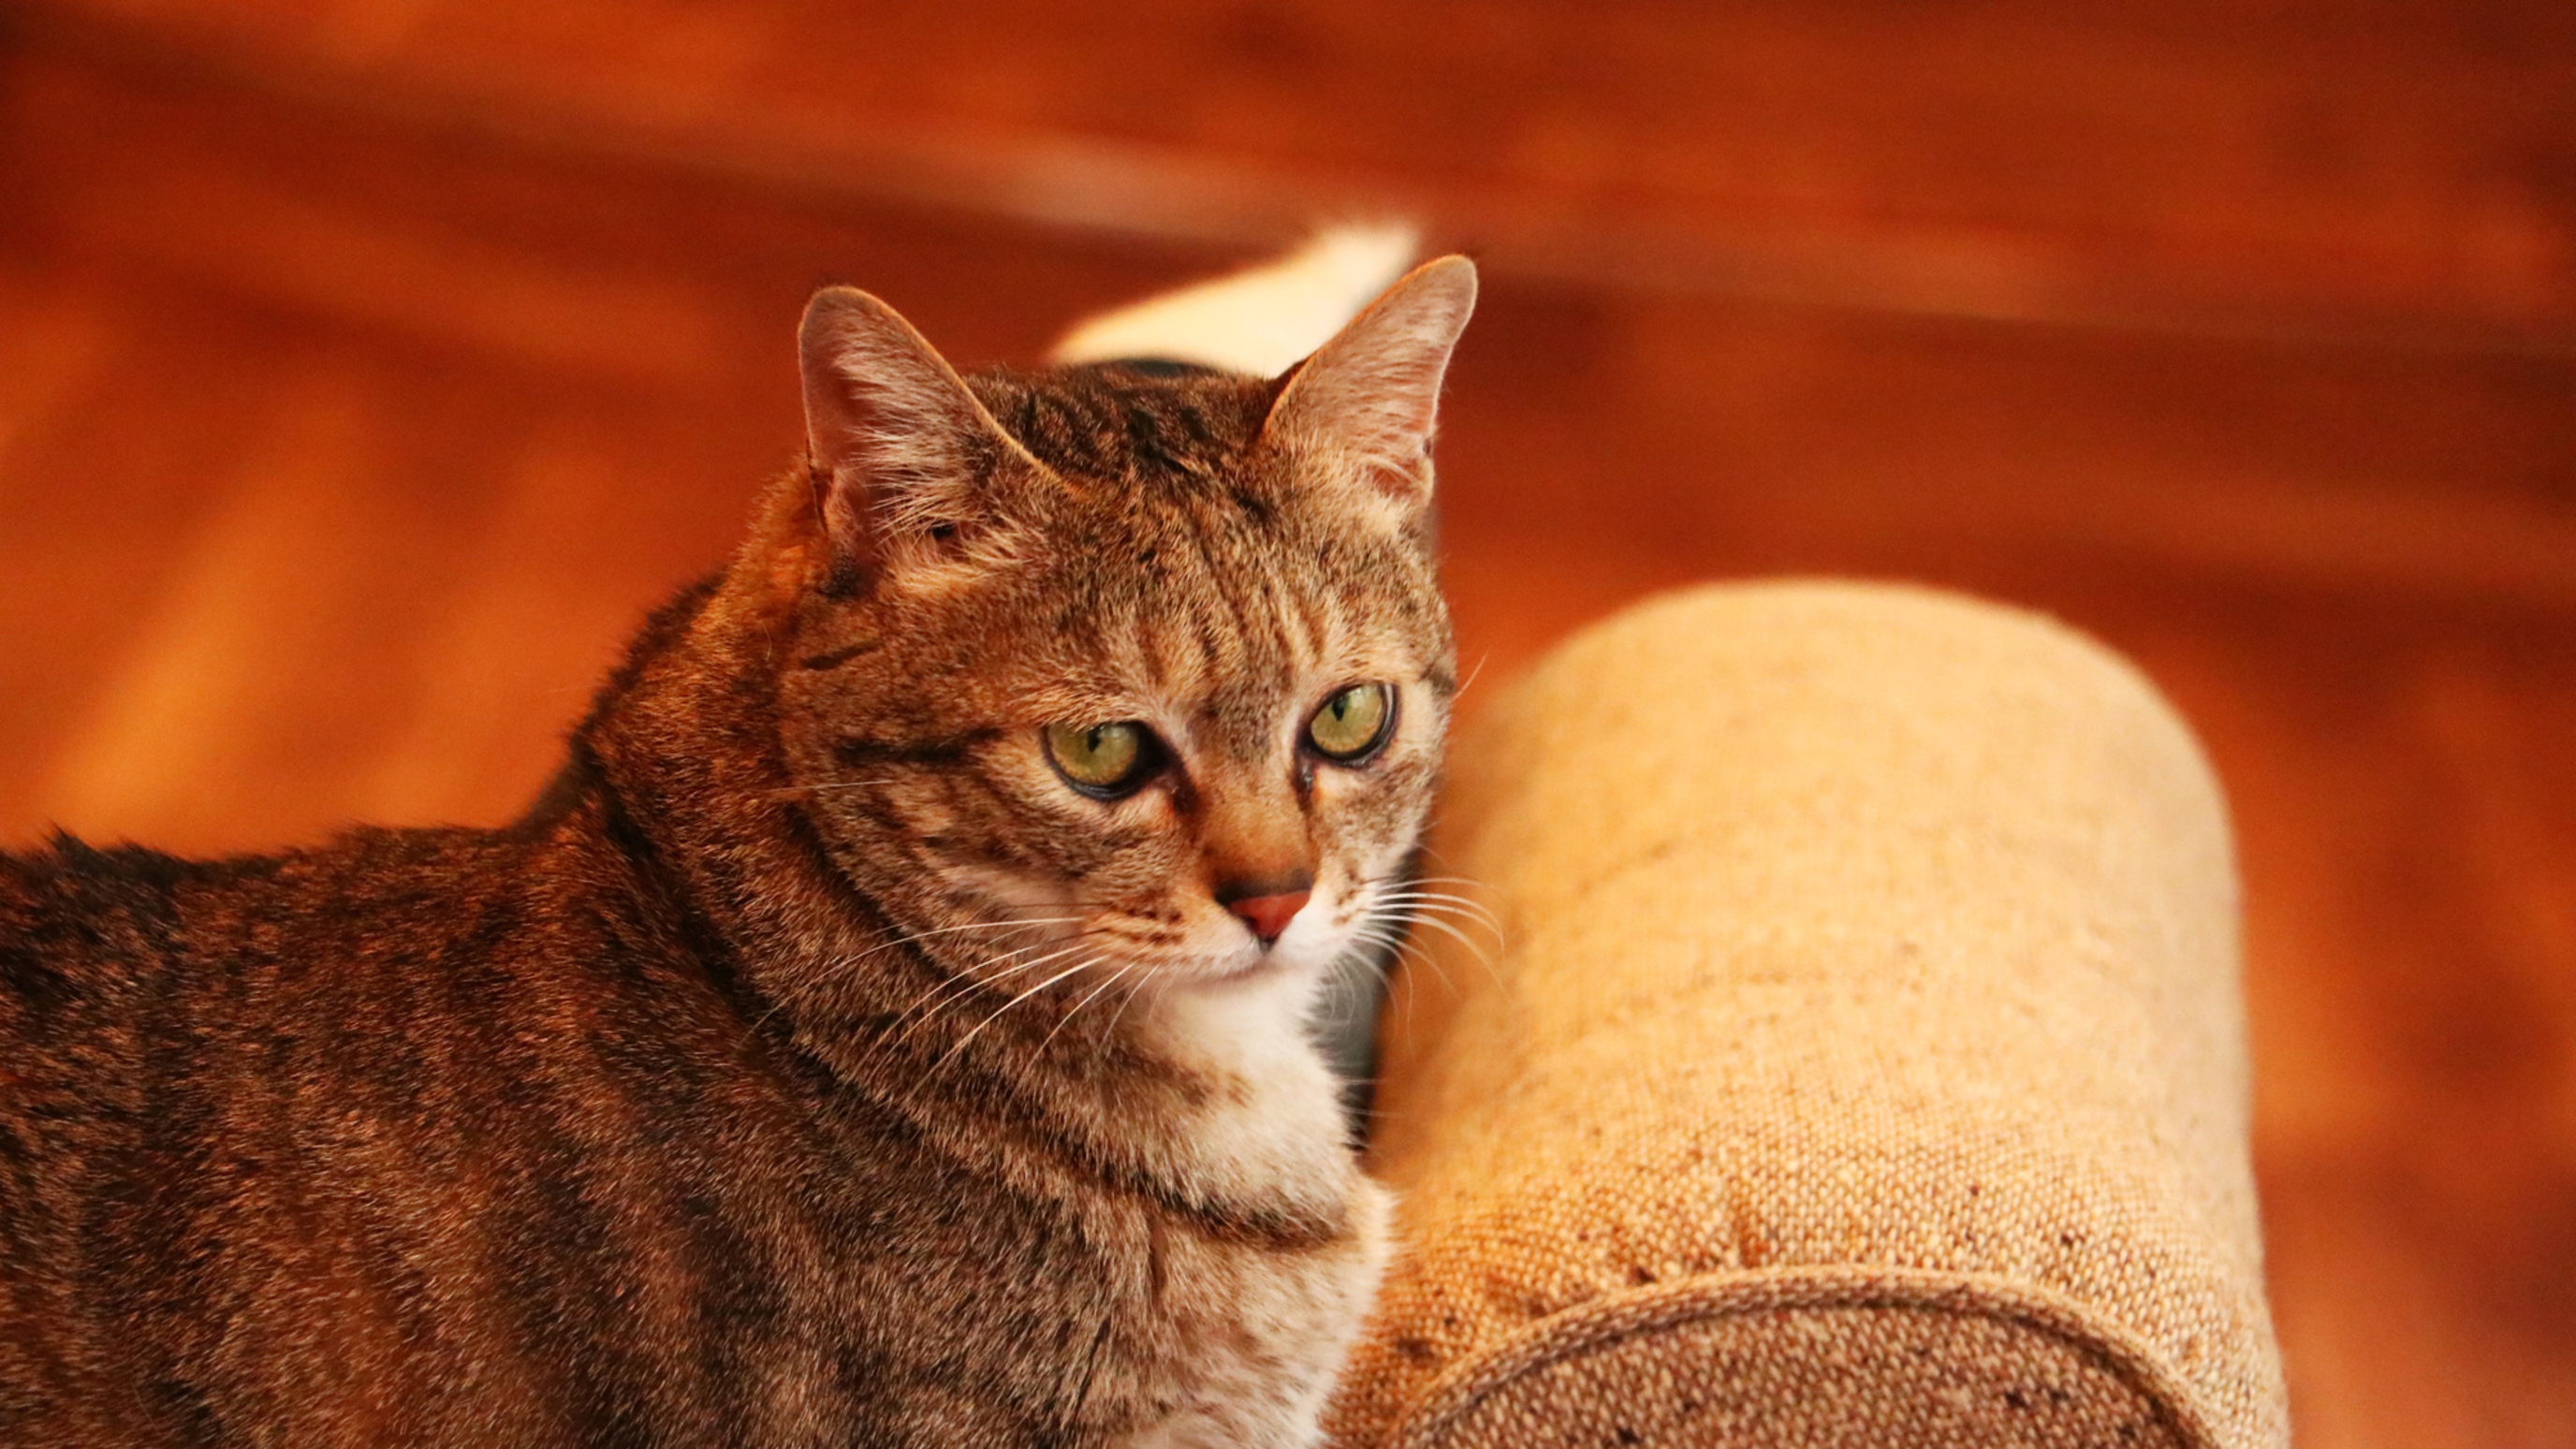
[1256, 964]
[1299, 952]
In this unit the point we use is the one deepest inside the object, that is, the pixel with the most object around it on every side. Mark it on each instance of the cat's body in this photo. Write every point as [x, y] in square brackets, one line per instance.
[828, 1058]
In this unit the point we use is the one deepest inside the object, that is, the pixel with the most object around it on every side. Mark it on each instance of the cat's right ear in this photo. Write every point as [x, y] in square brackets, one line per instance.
[1360, 411]
[896, 445]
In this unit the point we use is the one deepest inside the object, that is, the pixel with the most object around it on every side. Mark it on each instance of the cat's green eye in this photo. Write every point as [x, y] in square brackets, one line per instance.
[1352, 723]
[1101, 759]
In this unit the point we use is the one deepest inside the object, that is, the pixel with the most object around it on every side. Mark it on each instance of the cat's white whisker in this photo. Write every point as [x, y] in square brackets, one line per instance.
[1378, 940]
[1076, 1009]
[1398, 882]
[1480, 888]
[960, 985]
[786, 791]
[1413, 954]
[859, 959]
[960, 1045]
[1432, 884]
[1466, 683]
[1344, 992]
[1151, 982]
[1429, 902]
[907, 940]
[965, 984]
[1461, 937]
[1437, 900]
[1405, 948]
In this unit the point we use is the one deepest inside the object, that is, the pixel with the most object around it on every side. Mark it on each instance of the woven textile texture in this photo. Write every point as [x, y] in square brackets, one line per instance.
[1862, 1063]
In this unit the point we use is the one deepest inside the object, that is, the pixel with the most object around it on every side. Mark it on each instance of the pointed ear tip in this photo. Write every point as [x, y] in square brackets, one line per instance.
[832, 296]
[838, 319]
[825, 311]
[1452, 277]
[837, 301]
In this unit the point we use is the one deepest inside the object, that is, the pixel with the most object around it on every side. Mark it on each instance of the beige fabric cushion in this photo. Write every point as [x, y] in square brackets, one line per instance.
[1863, 1065]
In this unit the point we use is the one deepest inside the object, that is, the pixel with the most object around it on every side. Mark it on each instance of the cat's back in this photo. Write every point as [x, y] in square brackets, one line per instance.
[85, 938]
[243, 1101]
[79, 927]
[96, 949]
[144, 997]
[97, 943]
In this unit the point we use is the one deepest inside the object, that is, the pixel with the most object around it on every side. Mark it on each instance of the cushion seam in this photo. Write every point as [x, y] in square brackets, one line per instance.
[1604, 1321]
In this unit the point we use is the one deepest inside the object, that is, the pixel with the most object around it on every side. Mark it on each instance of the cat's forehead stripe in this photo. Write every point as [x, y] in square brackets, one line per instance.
[1205, 592]
[1105, 423]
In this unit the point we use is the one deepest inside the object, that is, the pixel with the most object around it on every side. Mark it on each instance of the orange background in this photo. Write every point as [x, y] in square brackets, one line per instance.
[368, 366]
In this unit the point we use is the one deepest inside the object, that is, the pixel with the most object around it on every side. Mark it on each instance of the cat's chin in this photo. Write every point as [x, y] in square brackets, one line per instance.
[1268, 966]
[1250, 970]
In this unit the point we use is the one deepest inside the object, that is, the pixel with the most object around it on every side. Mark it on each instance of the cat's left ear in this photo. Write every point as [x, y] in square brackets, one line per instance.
[900, 449]
[1362, 408]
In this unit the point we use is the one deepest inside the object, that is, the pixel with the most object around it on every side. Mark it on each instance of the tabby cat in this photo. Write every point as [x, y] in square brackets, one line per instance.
[885, 1030]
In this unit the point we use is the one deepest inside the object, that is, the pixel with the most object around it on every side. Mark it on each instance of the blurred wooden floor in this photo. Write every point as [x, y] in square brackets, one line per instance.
[368, 366]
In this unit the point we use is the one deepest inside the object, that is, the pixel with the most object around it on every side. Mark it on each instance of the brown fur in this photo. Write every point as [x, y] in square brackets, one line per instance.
[718, 1101]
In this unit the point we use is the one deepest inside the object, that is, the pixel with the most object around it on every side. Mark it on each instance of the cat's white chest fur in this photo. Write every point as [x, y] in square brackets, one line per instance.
[1264, 1330]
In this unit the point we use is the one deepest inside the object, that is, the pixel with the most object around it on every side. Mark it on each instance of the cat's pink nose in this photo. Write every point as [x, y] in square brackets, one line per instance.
[1269, 915]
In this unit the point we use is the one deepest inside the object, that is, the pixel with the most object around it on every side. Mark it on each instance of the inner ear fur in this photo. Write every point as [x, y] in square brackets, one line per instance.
[895, 443]
[1364, 406]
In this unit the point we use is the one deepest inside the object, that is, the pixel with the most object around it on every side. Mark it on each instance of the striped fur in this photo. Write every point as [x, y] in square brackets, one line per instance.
[811, 1065]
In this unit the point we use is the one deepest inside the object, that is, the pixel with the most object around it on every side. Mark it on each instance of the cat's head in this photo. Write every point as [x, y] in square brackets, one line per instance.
[1120, 674]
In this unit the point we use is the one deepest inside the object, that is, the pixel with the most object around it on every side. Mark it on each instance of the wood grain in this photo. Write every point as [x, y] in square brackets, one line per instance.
[368, 366]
